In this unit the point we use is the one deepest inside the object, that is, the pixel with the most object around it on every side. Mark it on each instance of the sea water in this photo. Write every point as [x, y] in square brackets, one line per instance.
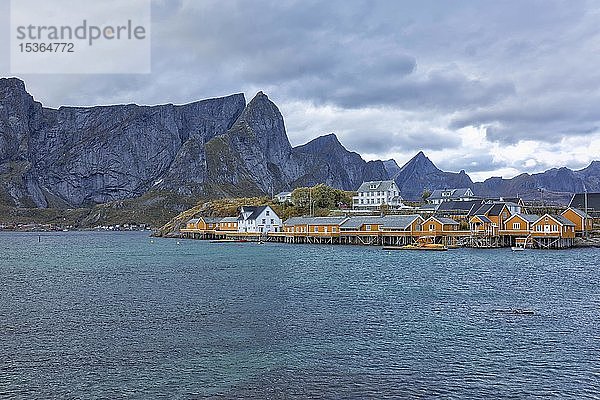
[123, 315]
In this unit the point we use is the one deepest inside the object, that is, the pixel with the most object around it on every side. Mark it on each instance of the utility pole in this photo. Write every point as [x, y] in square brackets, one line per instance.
[585, 200]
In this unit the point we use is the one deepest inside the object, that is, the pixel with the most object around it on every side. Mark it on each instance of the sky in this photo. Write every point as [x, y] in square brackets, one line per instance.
[496, 88]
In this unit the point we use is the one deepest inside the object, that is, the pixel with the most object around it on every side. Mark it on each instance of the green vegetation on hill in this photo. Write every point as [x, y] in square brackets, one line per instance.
[322, 197]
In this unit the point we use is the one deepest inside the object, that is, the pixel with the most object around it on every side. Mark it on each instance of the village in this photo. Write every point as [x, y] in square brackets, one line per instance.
[449, 218]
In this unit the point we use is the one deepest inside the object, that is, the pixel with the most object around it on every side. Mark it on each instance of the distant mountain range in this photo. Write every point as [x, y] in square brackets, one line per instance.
[77, 157]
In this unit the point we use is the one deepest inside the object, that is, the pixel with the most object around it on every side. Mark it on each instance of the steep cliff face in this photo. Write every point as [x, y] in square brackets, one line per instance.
[80, 156]
[419, 174]
[255, 156]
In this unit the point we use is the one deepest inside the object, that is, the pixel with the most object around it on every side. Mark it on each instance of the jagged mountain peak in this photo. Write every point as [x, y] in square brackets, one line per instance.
[420, 163]
[322, 143]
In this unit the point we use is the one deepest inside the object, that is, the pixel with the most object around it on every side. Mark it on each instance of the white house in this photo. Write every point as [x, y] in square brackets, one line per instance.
[258, 219]
[374, 194]
[283, 197]
[441, 195]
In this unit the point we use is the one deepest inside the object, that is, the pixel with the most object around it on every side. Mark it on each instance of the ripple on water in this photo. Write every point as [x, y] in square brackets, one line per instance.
[114, 315]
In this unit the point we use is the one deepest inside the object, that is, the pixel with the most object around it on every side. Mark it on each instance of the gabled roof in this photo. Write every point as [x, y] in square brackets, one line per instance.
[558, 218]
[577, 211]
[399, 221]
[482, 218]
[464, 207]
[564, 220]
[357, 222]
[254, 210]
[451, 193]
[194, 221]
[593, 201]
[531, 218]
[444, 221]
[494, 209]
[380, 186]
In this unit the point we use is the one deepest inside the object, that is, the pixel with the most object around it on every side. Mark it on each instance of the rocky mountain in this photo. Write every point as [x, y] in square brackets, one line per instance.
[555, 185]
[79, 157]
[391, 167]
[420, 174]
[75, 156]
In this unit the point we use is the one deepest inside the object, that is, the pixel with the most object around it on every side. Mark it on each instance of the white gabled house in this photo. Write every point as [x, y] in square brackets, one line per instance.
[283, 197]
[258, 219]
[372, 195]
[439, 196]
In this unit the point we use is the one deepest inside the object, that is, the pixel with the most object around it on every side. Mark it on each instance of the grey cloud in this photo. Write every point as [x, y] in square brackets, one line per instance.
[378, 142]
[472, 163]
[523, 69]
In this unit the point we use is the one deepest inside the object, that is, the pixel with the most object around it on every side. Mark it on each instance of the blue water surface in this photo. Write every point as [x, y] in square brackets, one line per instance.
[122, 315]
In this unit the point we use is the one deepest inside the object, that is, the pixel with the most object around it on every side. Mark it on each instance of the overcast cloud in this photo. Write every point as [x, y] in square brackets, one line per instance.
[495, 88]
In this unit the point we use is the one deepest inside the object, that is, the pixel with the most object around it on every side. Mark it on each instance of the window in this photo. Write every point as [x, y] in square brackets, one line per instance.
[325, 229]
[316, 229]
[264, 220]
[368, 227]
[431, 227]
[516, 226]
[334, 229]
[272, 221]
[268, 212]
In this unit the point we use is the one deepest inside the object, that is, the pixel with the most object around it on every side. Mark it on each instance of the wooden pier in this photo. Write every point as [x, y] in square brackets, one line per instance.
[387, 238]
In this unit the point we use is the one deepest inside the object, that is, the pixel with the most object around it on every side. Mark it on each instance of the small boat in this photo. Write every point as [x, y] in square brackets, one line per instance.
[520, 244]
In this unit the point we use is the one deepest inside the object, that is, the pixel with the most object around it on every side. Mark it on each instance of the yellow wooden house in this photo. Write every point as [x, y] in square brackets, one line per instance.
[553, 226]
[313, 226]
[228, 224]
[519, 224]
[579, 218]
[439, 226]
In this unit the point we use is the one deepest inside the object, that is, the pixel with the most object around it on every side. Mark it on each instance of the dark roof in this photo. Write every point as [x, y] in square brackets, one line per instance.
[465, 207]
[228, 219]
[490, 209]
[255, 210]
[593, 201]
[483, 218]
